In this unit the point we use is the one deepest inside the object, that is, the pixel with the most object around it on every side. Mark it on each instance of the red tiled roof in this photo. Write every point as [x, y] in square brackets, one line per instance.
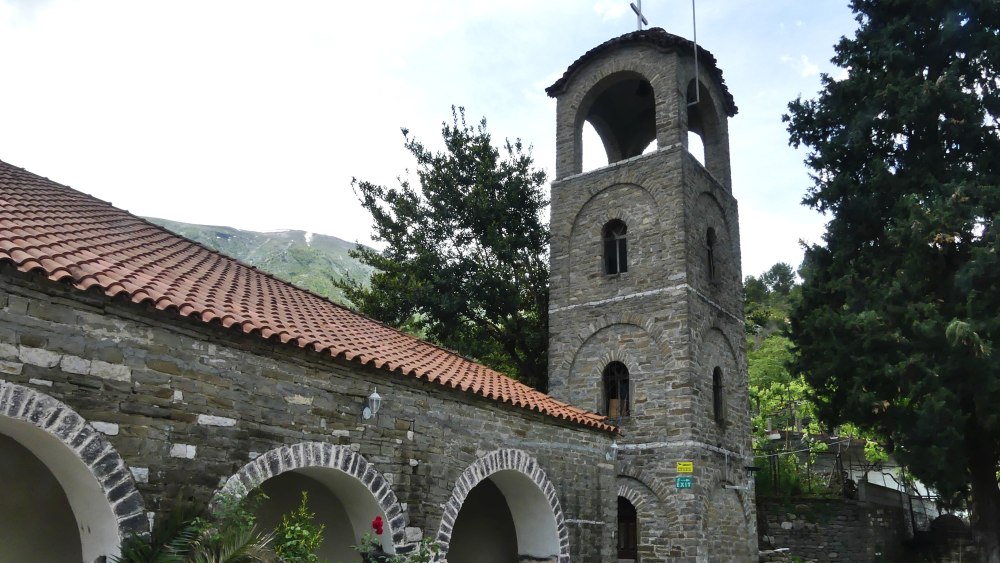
[70, 236]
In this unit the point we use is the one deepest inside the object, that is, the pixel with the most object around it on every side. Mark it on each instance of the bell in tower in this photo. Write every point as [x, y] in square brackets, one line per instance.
[645, 317]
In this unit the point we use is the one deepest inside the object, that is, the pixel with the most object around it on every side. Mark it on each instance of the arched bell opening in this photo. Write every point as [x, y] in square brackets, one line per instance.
[706, 137]
[622, 111]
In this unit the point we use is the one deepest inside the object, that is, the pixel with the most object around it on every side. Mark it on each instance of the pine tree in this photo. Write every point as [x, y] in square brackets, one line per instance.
[900, 306]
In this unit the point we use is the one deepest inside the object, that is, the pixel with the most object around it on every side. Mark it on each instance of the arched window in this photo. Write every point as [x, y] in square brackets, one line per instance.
[616, 390]
[710, 240]
[718, 402]
[628, 531]
[615, 247]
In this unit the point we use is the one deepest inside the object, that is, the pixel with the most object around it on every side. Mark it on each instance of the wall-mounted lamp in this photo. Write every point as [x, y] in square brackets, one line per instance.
[373, 405]
[613, 453]
[751, 470]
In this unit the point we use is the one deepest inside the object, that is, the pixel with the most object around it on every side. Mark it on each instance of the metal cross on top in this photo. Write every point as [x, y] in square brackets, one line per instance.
[640, 19]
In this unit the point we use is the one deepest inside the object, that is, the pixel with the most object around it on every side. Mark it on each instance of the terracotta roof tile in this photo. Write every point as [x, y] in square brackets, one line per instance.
[70, 236]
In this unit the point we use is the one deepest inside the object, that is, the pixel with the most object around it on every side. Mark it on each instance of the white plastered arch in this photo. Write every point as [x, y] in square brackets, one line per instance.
[362, 489]
[99, 487]
[531, 498]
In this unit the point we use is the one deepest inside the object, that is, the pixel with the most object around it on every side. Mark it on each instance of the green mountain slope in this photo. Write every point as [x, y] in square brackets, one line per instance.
[310, 261]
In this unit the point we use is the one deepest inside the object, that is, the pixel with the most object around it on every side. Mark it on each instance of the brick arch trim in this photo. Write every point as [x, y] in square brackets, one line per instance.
[745, 500]
[642, 497]
[90, 446]
[650, 511]
[493, 462]
[611, 213]
[606, 321]
[318, 454]
[717, 331]
[657, 488]
[714, 203]
[603, 322]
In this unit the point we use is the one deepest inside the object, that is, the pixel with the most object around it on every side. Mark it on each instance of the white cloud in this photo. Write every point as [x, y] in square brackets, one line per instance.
[256, 114]
[610, 9]
[803, 65]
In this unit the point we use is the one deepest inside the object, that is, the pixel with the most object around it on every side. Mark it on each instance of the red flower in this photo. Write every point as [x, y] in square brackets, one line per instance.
[377, 525]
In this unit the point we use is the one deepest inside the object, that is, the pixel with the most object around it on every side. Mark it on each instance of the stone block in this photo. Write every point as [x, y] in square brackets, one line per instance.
[114, 372]
[183, 451]
[413, 534]
[11, 368]
[109, 428]
[298, 400]
[38, 357]
[212, 420]
[8, 351]
[75, 364]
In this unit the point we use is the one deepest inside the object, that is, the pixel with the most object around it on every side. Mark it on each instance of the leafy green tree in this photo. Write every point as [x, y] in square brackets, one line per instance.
[779, 279]
[899, 307]
[466, 259]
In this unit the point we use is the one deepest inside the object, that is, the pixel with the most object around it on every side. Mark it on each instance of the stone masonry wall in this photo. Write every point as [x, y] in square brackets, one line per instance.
[671, 326]
[188, 405]
[823, 530]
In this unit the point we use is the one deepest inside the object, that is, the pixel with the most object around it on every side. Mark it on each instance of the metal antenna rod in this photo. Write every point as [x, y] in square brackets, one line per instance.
[697, 82]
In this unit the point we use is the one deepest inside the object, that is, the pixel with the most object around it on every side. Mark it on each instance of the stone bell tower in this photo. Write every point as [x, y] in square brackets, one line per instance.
[645, 314]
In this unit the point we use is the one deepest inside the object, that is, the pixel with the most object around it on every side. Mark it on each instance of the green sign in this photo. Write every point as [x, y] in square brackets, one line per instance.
[685, 482]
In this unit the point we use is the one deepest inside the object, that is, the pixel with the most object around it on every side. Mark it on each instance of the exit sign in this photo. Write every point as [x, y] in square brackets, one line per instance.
[685, 482]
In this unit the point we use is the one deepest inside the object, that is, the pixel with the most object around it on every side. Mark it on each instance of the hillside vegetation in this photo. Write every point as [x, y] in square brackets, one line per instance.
[310, 261]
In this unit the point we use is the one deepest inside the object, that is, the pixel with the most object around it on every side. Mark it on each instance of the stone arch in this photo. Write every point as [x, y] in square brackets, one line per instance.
[705, 119]
[708, 119]
[723, 391]
[608, 212]
[654, 520]
[531, 497]
[98, 485]
[621, 107]
[727, 520]
[367, 488]
[707, 200]
[608, 320]
[657, 488]
[626, 69]
[709, 215]
[586, 362]
[716, 332]
[622, 201]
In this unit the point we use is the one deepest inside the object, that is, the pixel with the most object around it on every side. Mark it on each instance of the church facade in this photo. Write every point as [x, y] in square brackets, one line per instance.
[137, 367]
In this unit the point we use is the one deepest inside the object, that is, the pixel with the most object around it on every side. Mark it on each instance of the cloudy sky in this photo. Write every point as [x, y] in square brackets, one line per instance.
[257, 114]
